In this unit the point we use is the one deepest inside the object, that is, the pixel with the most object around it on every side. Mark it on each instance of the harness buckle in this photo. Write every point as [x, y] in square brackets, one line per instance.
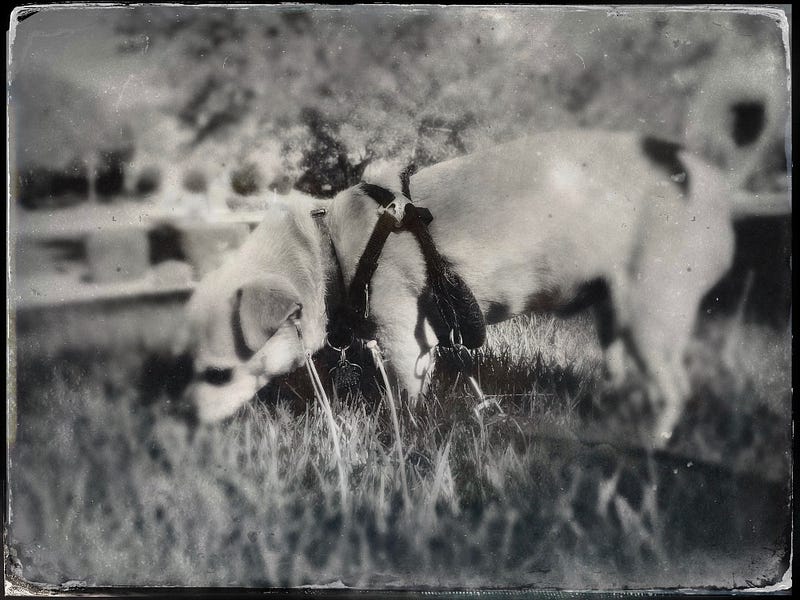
[397, 209]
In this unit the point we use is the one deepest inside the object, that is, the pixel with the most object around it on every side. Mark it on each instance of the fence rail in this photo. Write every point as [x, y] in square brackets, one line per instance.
[99, 254]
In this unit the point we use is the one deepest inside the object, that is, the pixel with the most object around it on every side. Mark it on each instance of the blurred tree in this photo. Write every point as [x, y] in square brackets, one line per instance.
[336, 88]
[68, 144]
[326, 167]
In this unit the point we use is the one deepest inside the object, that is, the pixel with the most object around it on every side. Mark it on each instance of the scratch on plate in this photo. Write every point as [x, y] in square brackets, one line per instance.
[122, 92]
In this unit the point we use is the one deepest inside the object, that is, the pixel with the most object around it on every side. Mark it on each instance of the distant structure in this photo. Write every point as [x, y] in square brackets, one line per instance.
[67, 146]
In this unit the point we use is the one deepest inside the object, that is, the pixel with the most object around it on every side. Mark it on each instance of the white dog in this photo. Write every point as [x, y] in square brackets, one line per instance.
[545, 223]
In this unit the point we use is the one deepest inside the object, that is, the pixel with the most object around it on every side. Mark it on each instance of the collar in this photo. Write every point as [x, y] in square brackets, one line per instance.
[335, 289]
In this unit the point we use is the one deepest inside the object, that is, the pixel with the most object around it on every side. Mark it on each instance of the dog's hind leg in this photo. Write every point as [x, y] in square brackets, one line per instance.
[658, 339]
[670, 379]
[667, 385]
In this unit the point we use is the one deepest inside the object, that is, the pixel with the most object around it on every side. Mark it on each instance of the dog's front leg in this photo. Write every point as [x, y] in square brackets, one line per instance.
[406, 339]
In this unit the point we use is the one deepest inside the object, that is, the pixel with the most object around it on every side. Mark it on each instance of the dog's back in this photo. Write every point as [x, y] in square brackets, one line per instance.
[551, 211]
[531, 223]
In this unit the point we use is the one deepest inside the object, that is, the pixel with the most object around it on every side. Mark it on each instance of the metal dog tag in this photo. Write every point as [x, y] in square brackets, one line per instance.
[346, 377]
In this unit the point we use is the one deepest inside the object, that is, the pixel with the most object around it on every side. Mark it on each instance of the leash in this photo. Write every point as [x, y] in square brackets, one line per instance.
[345, 375]
[322, 398]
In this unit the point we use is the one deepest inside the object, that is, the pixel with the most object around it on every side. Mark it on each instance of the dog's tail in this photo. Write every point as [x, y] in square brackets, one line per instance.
[739, 118]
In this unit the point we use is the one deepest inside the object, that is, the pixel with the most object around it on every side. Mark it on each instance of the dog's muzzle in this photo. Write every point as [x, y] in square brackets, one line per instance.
[220, 393]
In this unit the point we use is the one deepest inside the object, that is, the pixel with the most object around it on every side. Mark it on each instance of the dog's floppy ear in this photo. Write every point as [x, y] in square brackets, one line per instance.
[261, 307]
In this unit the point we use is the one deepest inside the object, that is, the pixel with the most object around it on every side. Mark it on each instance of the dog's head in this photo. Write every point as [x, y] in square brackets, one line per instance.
[241, 325]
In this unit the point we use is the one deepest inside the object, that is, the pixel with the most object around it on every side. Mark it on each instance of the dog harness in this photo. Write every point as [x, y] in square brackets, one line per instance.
[457, 319]
[448, 303]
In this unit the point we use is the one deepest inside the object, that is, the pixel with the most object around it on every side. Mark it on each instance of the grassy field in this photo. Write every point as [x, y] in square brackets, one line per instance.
[108, 488]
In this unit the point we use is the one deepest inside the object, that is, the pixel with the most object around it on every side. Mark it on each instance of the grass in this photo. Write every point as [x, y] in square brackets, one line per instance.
[107, 488]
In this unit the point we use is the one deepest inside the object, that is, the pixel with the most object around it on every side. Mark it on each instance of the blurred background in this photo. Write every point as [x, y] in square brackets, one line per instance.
[144, 142]
[202, 111]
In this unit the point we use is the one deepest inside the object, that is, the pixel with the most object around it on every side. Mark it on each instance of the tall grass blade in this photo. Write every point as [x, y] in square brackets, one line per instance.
[322, 398]
[376, 356]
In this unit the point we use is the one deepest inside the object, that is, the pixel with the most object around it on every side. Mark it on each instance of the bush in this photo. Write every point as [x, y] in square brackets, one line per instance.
[195, 181]
[247, 180]
[148, 181]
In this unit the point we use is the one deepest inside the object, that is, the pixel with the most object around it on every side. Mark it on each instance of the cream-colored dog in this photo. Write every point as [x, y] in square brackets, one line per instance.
[545, 223]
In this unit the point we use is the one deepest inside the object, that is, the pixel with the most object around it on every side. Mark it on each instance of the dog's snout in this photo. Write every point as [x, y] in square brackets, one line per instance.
[216, 376]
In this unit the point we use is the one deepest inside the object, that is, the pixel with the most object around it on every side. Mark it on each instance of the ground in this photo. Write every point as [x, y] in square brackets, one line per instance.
[108, 487]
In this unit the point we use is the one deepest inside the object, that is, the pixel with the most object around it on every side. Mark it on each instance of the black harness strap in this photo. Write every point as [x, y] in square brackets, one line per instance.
[335, 288]
[457, 307]
[352, 316]
[368, 263]
[451, 294]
